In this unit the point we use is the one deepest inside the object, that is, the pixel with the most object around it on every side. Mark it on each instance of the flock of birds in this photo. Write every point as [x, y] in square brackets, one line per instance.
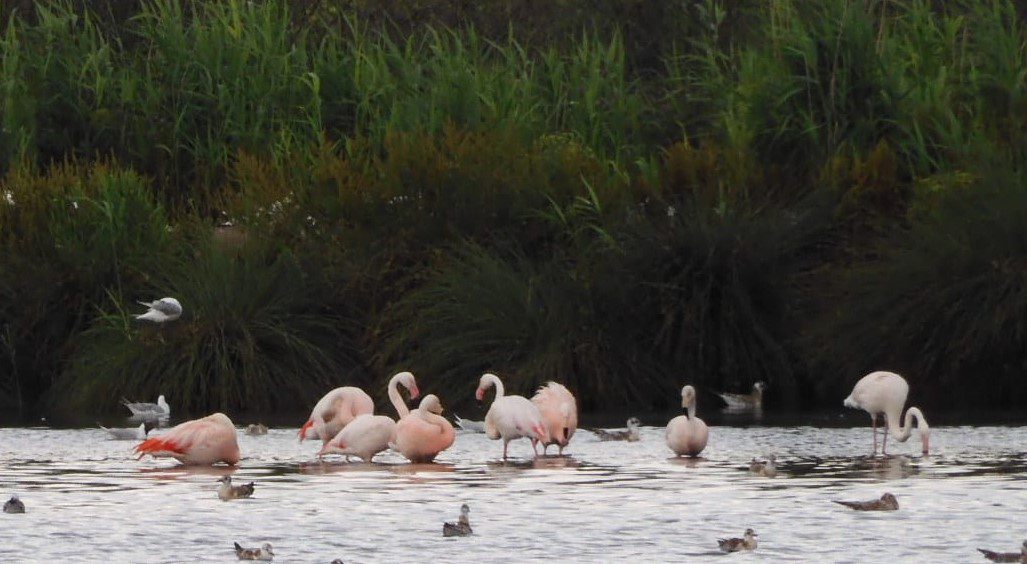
[345, 423]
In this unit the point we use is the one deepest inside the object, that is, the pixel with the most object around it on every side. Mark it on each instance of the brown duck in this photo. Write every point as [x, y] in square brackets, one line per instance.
[462, 527]
[264, 553]
[747, 542]
[1006, 556]
[227, 491]
[886, 503]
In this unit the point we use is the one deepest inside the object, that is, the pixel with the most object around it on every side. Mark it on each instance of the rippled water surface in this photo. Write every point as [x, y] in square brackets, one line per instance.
[88, 500]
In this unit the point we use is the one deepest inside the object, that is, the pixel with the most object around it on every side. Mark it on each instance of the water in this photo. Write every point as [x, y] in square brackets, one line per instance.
[88, 500]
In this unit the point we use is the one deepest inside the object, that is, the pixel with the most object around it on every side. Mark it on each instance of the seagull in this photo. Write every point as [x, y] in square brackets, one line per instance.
[130, 434]
[469, 425]
[461, 528]
[1006, 556]
[263, 553]
[164, 309]
[736, 544]
[144, 410]
[886, 503]
[631, 435]
[767, 469]
[740, 402]
[256, 429]
[14, 505]
[227, 491]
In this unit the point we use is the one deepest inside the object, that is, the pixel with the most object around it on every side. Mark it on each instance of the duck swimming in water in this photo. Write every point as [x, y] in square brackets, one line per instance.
[461, 528]
[630, 435]
[1006, 556]
[256, 429]
[739, 402]
[264, 553]
[886, 503]
[748, 542]
[766, 469]
[227, 491]
[14, 505]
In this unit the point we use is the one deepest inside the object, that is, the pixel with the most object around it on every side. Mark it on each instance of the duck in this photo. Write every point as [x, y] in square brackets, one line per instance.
[14, 505]
[264, 553]
[256, 429]
[129, 434]
[227, 491]
[631, 434]
[766, 469]
[747, 542]
[462, 527]
[469, 424]
[752, 400]
[1006, 556]
[886, 503]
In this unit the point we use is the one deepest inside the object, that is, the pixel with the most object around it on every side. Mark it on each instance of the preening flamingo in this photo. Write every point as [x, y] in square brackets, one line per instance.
[885, 392]
[209, 440]
[687, 434]
[423, 434]
[367, 435]
[511, 417]
[334, 411]
[559, 413]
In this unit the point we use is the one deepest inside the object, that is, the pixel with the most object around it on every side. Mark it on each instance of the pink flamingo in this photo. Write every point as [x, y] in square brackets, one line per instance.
[559, 413]
[367, 435]
[334, 411]
[687, 434]
[424, 433]
[885, 392]
[511, 417]
[209, 440]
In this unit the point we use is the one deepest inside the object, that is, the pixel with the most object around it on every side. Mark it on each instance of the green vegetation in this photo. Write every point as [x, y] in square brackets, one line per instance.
[621, 196]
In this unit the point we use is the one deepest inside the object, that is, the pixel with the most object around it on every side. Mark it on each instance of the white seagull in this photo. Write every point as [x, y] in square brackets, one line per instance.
[164, 309]
[130, 434]
[142, 410]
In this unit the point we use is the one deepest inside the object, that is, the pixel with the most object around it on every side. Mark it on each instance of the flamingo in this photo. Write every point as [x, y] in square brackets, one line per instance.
[423, 434]
[367, 435]
[885, 392]
[209, 440]
[511, 417]
[334, 411]
[559, 412]
[687, 434]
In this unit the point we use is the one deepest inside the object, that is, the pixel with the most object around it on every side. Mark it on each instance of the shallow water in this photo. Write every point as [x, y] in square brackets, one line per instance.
[88, 500]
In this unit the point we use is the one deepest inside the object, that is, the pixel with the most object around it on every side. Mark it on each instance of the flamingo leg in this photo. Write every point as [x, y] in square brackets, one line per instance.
[884, 447]
[505, 444]
[534, 446]
[561, 450]
[873, 426]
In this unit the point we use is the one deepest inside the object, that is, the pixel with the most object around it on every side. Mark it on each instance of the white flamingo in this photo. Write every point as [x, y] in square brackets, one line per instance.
[511, 417]
[885, 393]
[687, 434]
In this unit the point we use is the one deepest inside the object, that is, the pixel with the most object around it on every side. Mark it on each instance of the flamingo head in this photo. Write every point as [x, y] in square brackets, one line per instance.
[431, 403]
[409, 382]
[925, 439]
[687, 396]
[330, 448]
[540, 432]
[484, 383]
[479, 394]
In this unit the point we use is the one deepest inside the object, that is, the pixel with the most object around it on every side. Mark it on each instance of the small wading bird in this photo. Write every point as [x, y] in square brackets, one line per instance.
[130, 434]
[227, 491]
[687, 434]
[14, 505]
[423, 433]
[510, 417]
[162, 310]
[256, 429]
[559, 414]
[264, 553]
[1006, 556]
[148, 411]
[334, 411]
[753, 400]
[469, 425]
[367, 435]
[885, 393]
[462, 527]
[209, 440]
[747, 542]
[630, 435]
[886, 503]
[767, 469]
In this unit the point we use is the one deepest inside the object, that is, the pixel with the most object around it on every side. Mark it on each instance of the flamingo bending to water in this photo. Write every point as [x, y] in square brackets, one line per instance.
[209, 440]
[511, 417]
[424, 433]
[334, 411]
[559, 413]
[885, 393]
[367, 435]
[687, 434]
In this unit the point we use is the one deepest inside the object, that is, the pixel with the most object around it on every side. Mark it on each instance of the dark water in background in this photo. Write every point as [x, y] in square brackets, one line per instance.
[88, 500]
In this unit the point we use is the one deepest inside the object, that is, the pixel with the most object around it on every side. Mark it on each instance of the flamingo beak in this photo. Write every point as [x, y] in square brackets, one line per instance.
[927, 443]
[479, 394]
[414, 392]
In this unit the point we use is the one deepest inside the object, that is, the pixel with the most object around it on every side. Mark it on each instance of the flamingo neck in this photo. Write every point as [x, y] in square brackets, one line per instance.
[433, 419]
[691, 410]
[902, 433]
[396, 399]
[497, 383]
